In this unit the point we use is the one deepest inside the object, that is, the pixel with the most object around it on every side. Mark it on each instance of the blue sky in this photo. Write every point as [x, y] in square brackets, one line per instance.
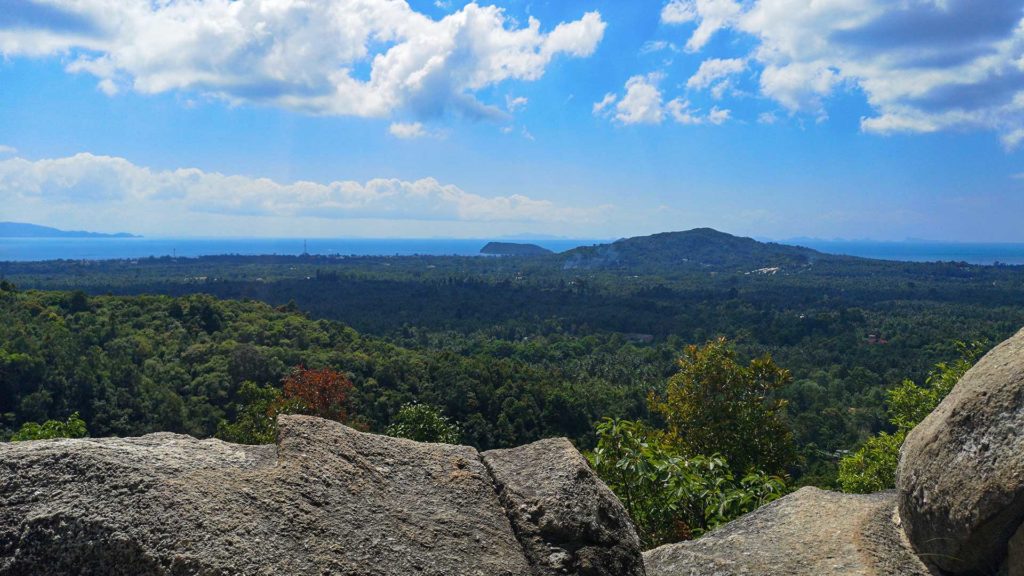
[770, 118]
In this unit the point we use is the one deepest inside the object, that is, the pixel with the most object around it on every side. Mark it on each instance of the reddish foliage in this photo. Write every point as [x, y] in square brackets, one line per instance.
[324, 393]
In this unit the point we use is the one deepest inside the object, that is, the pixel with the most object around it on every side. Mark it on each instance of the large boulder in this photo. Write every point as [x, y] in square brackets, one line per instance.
[810, 532]
[325, 500]
[568, 521]
[961, 472]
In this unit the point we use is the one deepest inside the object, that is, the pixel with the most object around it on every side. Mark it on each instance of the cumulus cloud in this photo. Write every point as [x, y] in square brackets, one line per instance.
[710, 15]
[643, 104]
[683, 113]
[719, 116]
[407, 131]
[678, 12]
[7, 150]
[87, 180]
[715, 69]
[366, 58]
[923, 65]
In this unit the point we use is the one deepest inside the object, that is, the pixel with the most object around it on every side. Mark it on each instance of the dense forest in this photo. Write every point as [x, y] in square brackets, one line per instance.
[511, 348]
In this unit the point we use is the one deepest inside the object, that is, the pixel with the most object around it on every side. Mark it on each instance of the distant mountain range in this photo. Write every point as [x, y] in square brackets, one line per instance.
[22, 230]
[697, 248]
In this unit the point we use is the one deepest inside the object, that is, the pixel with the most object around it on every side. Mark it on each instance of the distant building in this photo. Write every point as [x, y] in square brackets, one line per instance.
[875, 339]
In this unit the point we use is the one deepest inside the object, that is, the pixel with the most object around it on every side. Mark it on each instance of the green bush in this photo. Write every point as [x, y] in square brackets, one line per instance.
[256, 422]
[668, 496]
[74, 427]
[423, 423]
[873, 466]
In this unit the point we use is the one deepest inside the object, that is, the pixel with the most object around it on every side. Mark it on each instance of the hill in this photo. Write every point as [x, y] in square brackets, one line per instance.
[697, 248]
[23, 230]
[513, 249]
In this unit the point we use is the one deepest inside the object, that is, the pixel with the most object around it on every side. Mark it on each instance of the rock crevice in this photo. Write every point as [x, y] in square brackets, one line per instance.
[567, 520]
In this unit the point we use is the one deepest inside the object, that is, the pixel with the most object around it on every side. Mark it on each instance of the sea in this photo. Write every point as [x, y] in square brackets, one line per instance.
[922, 251]
[30, 249]
[34, 249]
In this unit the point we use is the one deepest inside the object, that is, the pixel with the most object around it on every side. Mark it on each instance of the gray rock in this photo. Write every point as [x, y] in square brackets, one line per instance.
[326, 500]
[810, 532]
[567, 519]
[961, 472]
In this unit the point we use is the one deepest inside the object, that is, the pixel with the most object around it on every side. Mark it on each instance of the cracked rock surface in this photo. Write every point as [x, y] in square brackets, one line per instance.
[568, 521]
[325, 500]
[810, 532]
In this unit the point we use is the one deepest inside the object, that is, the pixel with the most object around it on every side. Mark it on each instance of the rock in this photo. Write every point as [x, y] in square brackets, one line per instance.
[326, 500]
[567, 519]
[961, 472]
[1015, 554]
[810, 532]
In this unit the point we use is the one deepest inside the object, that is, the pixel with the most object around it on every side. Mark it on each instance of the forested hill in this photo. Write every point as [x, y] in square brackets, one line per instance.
[513, 249]
[700, 248]
[22, 230]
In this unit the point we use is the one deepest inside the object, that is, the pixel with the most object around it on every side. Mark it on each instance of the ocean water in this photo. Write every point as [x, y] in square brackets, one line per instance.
[28, 249]
[973, 253]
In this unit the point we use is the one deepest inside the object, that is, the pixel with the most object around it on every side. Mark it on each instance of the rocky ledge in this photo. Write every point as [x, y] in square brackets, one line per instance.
[325, 500]
[807, 533]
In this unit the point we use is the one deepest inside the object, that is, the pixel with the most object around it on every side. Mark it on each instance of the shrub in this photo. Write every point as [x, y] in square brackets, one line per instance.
[74, 427]
[424, 423]
[668, 496]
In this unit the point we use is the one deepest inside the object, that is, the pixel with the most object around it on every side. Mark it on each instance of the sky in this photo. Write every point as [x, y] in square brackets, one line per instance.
[857, 119]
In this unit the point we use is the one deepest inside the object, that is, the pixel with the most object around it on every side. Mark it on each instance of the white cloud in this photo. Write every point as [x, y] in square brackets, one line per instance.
[653, 46]
[407, 131]
[6, 150]
[711, 16]
[923, 65]
[514, 104]
[683, 113]
[715, 69]
[366, 58]
[642, 102]
[86, 181]
[678, 12]
[1012, 139]
[719, 116]
[601, 107]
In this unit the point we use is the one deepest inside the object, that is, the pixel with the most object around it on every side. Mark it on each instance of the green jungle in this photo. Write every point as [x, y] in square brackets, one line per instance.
[703, 374]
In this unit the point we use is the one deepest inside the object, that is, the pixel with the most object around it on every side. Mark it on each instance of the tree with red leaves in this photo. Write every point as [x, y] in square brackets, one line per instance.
[324, 393]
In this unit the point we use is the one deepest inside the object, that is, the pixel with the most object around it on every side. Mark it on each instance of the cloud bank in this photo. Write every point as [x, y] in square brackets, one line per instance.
[85, 180]
[923, 65]
[368, 58]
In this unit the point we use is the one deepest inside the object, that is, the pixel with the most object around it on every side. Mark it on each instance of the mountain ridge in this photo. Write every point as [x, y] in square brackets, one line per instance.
[25, 230]
[699, 247]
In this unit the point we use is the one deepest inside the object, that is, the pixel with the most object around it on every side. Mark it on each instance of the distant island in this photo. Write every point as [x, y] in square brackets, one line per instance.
[22, 230]
[513, 249]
